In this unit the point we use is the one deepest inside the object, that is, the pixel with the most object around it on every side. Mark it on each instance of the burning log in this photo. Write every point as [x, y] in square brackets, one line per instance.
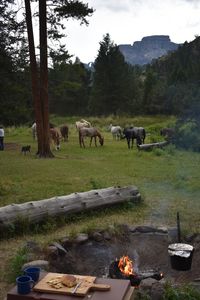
[37, 211]
[123, 269]
[152, 145]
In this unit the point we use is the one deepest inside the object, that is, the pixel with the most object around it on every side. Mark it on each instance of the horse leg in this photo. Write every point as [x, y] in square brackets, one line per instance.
[80, 139]
[83, 143]
[132, 142]
[91, 141]
[95, 140]
[139, 140]
[128, 143]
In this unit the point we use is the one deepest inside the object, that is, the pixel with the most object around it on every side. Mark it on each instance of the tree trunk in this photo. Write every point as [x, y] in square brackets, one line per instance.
[39, 88]
[45, 142]
[34, 71]
[37, 211]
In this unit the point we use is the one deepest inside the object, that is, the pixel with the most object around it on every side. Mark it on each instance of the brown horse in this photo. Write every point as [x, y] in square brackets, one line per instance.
[168, 133]
[92, 133]
[55, 137]
[64, 130]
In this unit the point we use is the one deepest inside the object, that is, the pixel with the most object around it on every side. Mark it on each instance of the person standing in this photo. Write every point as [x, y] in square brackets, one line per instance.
[1, 138]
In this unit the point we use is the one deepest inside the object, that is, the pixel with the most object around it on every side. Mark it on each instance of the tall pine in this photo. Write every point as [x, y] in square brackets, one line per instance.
[110, 87]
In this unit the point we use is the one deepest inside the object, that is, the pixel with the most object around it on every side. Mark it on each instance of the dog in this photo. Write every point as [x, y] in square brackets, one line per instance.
[26, 149]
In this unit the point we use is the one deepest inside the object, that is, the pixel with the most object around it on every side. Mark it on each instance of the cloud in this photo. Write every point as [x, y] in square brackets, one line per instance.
[130, 5]
[115, 6]
[130, 20]
[110, 5]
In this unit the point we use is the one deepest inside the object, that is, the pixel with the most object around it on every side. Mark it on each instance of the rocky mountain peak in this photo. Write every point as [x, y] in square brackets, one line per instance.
[150, 47]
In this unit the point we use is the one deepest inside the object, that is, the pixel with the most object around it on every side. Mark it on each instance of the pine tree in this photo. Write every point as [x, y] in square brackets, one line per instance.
[61, 9]
[110, 90]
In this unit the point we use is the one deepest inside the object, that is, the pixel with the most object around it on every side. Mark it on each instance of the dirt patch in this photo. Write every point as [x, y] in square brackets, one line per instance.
[11, 146]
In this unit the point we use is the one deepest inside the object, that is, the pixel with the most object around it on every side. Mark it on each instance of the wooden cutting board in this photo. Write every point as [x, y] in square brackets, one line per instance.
[86, 284]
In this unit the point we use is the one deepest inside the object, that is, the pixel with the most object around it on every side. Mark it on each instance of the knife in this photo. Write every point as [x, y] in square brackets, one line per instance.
[76, 287]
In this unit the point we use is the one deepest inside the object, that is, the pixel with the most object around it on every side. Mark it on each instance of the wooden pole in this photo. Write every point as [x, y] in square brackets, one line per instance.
[178, 228]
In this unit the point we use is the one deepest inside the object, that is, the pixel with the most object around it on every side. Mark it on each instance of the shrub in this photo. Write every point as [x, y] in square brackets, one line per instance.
[187, 136]
[180, 293]
[16, 263]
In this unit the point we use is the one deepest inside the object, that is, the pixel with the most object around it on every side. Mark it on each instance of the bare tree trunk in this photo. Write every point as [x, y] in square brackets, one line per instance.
[37, 211]
[45, 151]
[34, 71]
[39, 88]
[153, 145]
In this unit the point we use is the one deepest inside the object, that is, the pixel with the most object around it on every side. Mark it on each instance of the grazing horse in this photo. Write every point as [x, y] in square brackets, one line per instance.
[116, 132]
[64, 130]
[92, 133]
[34, 131]
[141, 133]
[132, 133]
[168, 133]
[55, 137]
[82, 123]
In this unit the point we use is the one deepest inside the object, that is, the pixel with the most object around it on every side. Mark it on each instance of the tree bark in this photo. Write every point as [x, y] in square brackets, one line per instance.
[45, 151]
[37, 211]
[39, 86]
[34, 72]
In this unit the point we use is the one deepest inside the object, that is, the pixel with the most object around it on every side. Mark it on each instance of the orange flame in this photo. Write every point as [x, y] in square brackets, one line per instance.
[126, 265]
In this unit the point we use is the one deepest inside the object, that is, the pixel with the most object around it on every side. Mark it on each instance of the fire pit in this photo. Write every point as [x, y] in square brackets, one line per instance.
[148, 250]
[123, 269]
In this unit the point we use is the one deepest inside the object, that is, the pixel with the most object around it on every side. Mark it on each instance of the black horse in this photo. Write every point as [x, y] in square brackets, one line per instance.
[132, 133]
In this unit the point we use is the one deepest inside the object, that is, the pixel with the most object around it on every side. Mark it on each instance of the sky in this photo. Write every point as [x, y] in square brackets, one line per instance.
[128, 21]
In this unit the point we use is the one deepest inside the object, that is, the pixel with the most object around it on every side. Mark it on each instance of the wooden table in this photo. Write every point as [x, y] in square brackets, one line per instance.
[120, 290]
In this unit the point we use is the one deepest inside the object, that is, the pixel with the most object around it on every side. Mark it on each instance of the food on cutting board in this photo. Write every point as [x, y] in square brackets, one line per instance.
[61, 281]
[69, 280]
[56, 282]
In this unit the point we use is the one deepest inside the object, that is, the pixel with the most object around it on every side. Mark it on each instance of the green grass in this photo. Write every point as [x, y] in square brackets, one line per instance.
[16, 263]
[167, 179]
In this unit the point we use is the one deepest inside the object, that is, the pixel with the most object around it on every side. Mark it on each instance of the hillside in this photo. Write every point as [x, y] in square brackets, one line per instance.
[150, 47]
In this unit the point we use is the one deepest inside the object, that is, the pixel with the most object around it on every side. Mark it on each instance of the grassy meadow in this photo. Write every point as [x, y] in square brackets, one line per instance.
[168, 179]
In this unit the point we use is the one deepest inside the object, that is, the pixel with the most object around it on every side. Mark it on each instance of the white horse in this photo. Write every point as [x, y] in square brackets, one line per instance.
[34, 130]
[82, 123]
[116, 132]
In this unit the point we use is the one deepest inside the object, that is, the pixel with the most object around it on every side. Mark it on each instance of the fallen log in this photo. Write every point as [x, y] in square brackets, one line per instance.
[37, 211]
[153, 145]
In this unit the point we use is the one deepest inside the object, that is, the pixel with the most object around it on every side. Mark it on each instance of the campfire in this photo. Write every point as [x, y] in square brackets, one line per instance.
[125, 265]
[124, 269]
